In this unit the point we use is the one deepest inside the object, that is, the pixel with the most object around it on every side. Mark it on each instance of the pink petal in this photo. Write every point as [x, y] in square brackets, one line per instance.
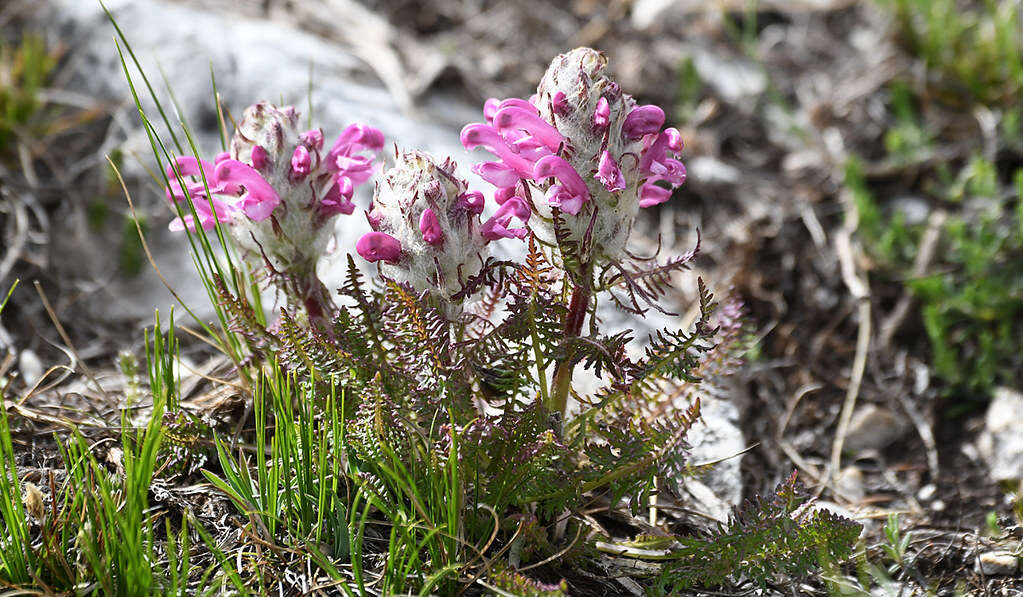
[653, 157]
[374, 218]
[190, 166]
[208, 218]
[481, 135]
[602, 114]
[490, 107]
[223, 155]
[643, 120]
[471, 201]
[497, 226]
[515, 117]
[557, 167]
[376, 246]
[260, 198]
[300, 162]
[357, 168]
[609, 173]
[313, 138]
[502, 194]
[568, 202]
[559, 104]
[518, 103]
[357, 137]
[429, 225]
[338, 199]
[498, 174]
[651, 194]
[259, 157]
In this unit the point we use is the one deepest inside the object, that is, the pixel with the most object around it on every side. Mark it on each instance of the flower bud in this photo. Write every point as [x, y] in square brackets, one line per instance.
[427, 230]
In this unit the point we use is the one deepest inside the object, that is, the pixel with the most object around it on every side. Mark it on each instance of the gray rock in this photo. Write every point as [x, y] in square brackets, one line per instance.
[1001, 442]
[997, 563]
[873, 427]
[252, 60]
[719, 437]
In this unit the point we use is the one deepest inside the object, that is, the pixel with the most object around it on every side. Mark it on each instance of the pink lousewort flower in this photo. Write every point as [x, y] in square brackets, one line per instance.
[378, 246]
[426, 227]
[584, 145]
[277, 188]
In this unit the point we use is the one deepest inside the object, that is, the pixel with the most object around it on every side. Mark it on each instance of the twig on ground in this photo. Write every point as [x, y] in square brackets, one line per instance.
[861, 293]
[67, 341]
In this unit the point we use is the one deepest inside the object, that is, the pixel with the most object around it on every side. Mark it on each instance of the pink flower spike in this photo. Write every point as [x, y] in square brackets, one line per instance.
[651, 194]
[429, 225]
[609, 173]
[260, 198]
[514, 117]
[313, 138]
[300, 162]
[471, 201]
[602, 114]
[643, 120]
[259, 157]
[481, 135]
[497, 226]
[559, 104]
[557, 167]
[498, 174]
[377, 246]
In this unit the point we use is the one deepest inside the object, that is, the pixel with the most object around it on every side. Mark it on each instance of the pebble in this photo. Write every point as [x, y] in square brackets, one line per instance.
[873, 427]
[849, 484]
[997, 563]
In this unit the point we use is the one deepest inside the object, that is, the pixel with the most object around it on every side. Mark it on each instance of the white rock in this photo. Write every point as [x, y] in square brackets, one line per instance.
[719, 437]
[1001, 442]
[997, 563]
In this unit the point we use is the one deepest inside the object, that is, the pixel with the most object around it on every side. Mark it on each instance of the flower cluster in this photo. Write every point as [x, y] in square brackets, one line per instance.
[594, 155]
[426, 225]
[276, 187]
